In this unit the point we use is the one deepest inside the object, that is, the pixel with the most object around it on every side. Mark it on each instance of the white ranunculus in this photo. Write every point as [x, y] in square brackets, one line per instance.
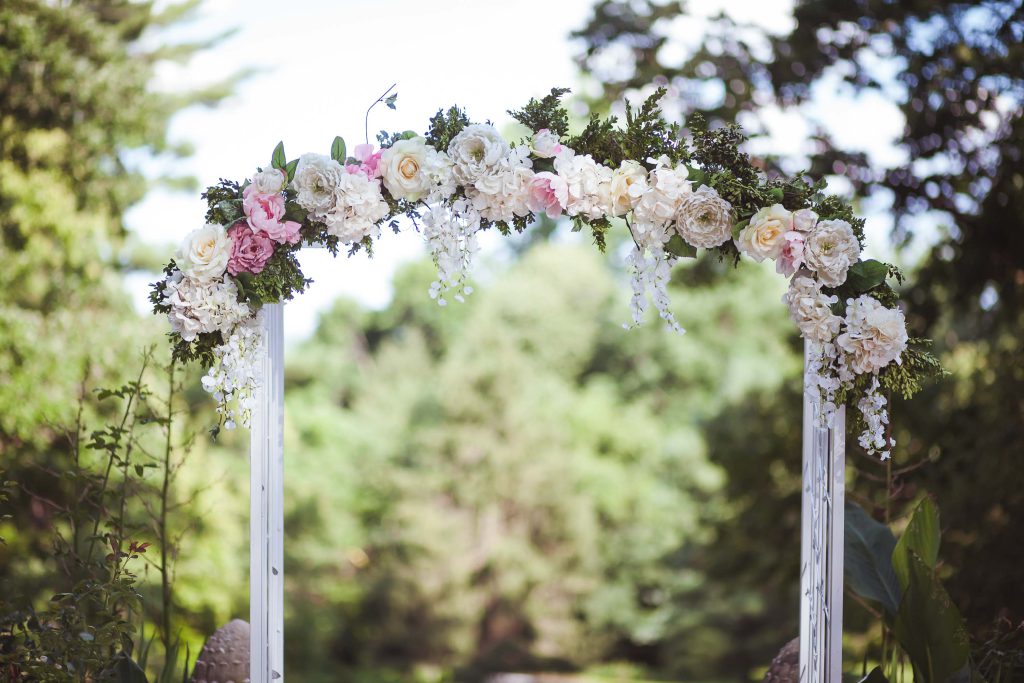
[316, 181]
[545, 144]
[811, 310]
[202, 306]
[269, 181]
[625, 188]
[587, 181]
[763, 236]
[358, 207]
[405, 168]
[476, 152]
[704, 219]
[830, 250]
[204, 254]
[875, 335]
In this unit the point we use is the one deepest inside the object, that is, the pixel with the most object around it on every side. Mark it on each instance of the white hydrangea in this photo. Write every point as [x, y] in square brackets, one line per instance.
[666, 187]
[316, 182]
[875, 335]
[811, 309]
[199, 307]
[588, 183]
[476, 152]
[450, 231]
[627, 184]
[236, 371]
[704, 219]
[876, 419]
[357, 209]
[503, 193]
[830, 250]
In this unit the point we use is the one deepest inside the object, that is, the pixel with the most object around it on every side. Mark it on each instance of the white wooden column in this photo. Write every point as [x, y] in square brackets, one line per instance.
[821, 544]
[266, 509]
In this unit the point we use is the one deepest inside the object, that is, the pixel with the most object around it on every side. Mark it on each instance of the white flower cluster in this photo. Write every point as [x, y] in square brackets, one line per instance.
[501, 194]
[811, 309]
[876, 418]
[350, 204]
[235, 375]
[450, 231]
[201, 306]
[589, 184]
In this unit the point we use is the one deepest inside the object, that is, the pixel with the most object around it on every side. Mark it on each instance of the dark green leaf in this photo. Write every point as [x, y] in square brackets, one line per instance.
[677, 246]
[777, 194]
[929, 626]
[338, 150]
[875, 676]
[278, 159]
[738, 228]
[921, 537]
[868, 559]
[126, 670]
[290, 169]
[866, 275]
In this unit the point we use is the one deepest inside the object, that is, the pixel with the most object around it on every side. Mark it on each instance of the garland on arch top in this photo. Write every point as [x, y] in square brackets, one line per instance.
[674, 195]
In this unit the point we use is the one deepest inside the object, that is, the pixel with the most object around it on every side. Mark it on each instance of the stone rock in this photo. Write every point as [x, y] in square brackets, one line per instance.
[785, 668]
[225, 656]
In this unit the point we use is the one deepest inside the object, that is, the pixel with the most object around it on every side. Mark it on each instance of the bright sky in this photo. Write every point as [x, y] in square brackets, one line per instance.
[323, 62]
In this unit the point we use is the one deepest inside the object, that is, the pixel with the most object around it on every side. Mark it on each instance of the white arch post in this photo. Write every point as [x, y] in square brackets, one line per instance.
[821, 543]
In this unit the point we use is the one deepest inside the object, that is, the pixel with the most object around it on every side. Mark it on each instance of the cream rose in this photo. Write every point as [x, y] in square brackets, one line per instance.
[830, 250]
[476, 152]
[762, 238]
[875, 335]
[545, 144]
[625, 188]
[204, 254]
[704, 219]
[405, 168]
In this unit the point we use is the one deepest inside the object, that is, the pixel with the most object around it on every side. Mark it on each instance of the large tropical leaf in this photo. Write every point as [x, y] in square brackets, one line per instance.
[921, 537]
[868, 552]
[929, 627]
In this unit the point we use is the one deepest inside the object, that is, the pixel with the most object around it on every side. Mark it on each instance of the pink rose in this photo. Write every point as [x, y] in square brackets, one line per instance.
[265, 212]
[250, 250]
[547, 192]
[369, 161]
[791, 256]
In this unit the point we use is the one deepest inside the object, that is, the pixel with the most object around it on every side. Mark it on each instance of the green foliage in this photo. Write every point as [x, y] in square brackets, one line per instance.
[867, 557]
[445, 125]
[544, 113]
[920, 538]
[280, 280]
[338, 150]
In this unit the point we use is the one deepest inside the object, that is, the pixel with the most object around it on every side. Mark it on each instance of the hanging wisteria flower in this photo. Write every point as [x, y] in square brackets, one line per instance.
[199, 307]
[811, 309]
[317, 180]
[504, 193]
[548, 193]
[265, 214]
[406, 168]
[476, 152]
[791, 255]
[872, 408]
[269, 181]
[450, 231]
[666, 187]
[358, 207]
[763, 236]
[650, 270]
[545, 144]
[235, 374]
[627, 184]
[204, 254]
[830, 251]
[874, 336]
[704, 219]
[250, 250]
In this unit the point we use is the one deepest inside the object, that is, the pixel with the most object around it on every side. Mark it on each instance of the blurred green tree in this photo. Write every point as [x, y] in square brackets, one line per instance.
[955, 72]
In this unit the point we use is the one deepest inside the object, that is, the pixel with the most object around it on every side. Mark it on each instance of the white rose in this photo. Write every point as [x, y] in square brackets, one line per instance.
[875, 335]
[545, 144]
[704, 219]
[762, 238]
[811, 310]
[317, 178]
[625, 188]
[204, 254]
[830, 251]
[270, 181]
[405, 168]
[476, 152]
[804, 220]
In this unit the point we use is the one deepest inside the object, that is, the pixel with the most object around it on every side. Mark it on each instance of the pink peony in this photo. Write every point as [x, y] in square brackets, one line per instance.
[265, 212]
[791, 255]
[547, 192]
[250, 250]
[369, 161]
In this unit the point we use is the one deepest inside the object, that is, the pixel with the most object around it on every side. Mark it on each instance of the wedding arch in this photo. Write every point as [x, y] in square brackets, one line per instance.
[223, 293]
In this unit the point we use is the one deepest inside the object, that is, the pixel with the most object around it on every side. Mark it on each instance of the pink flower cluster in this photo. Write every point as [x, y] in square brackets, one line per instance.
[252, 242]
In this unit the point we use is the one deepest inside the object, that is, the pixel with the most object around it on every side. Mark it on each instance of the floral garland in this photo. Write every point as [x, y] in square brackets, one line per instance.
[674, 195]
